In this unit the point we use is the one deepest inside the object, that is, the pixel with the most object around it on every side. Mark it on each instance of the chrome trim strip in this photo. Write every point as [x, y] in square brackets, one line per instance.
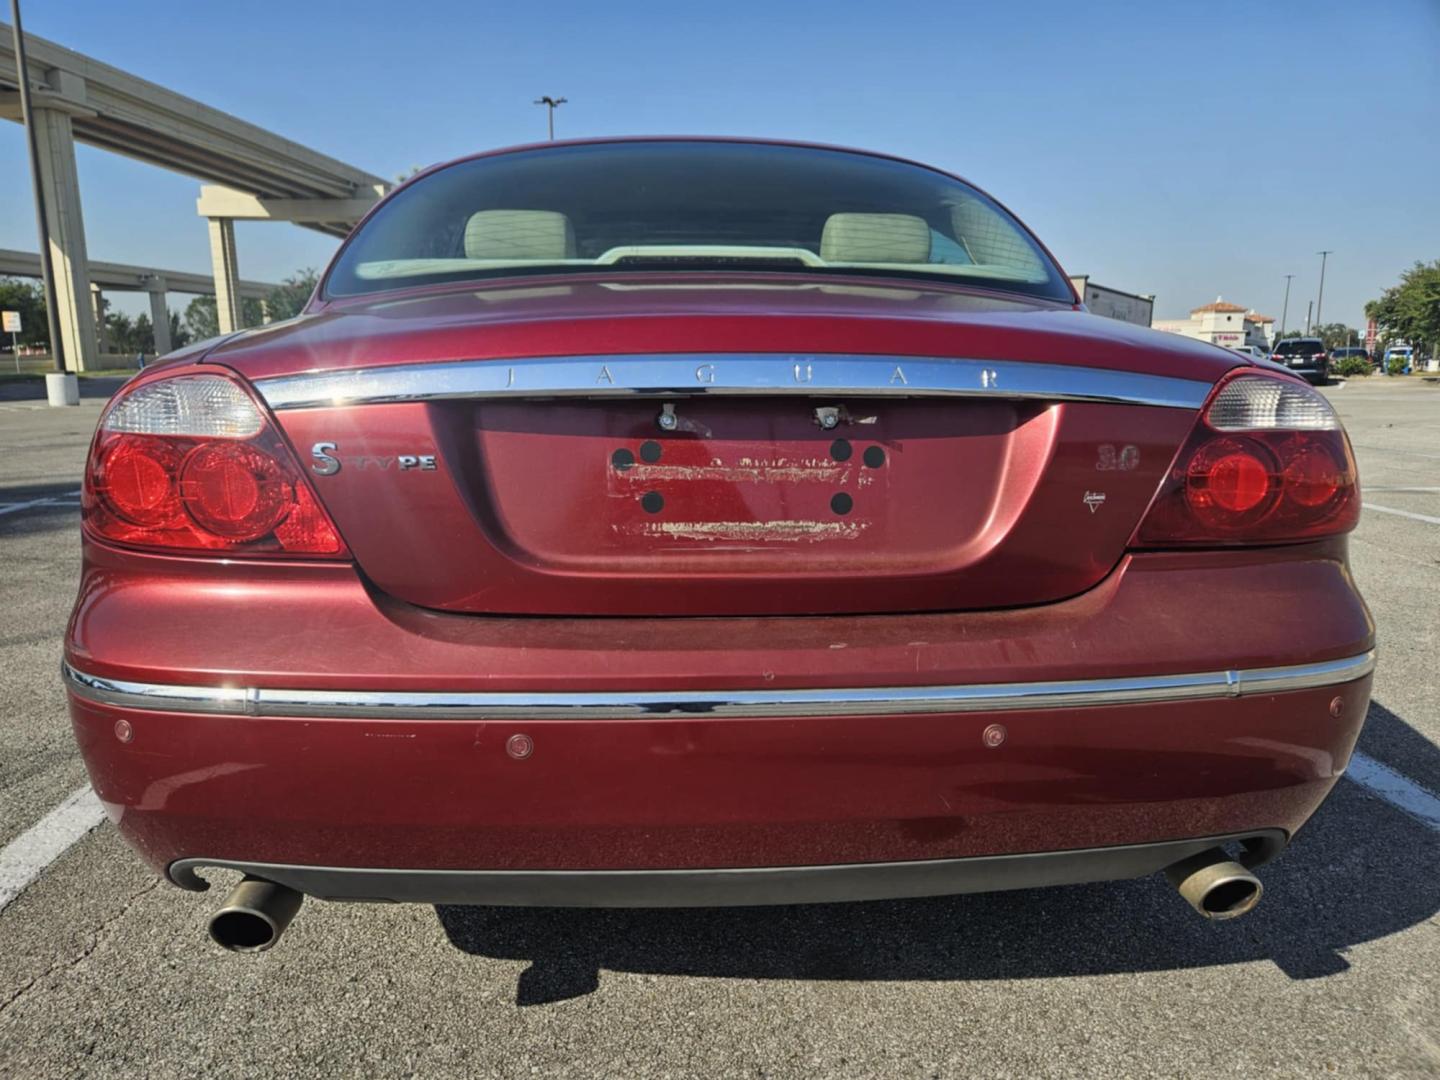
[691, 374]
[582, 705]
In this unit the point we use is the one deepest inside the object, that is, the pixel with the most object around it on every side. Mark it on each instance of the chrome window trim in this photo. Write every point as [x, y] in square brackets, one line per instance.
[682, 705]
[692, 374]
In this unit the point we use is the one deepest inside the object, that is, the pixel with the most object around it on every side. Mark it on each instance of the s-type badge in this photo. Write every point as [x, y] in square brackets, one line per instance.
[324, 461]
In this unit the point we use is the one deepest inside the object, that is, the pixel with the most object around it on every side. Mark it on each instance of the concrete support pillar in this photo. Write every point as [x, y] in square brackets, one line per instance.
[160, 316]
[265, 317]
[227, 274]
[60, 187]
[102, 331]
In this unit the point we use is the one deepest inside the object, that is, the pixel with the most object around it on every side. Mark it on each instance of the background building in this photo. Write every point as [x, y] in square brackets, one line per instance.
[1114, 304]
[1223, 323]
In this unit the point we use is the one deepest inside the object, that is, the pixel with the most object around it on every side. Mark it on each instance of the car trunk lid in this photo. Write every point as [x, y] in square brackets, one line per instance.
[711, 481]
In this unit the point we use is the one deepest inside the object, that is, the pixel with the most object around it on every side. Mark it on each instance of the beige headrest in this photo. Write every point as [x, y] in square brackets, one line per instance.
[519, 234]
[877, 238]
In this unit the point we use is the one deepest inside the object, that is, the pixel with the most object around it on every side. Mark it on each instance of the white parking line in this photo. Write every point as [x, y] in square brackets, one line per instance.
[49, 500]
[1399, 791]
[1402, 513]
[22, 860]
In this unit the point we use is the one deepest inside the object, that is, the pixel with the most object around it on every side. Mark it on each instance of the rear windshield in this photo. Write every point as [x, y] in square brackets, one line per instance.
[617, 207]
[1299, 347]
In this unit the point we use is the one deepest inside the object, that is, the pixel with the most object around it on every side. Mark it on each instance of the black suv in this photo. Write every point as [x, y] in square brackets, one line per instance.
[1305, 356]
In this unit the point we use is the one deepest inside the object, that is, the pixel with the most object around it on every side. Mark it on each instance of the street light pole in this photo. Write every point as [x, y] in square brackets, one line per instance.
[551, 104]
[1321, 299]
[47, 268]
[1285, 311]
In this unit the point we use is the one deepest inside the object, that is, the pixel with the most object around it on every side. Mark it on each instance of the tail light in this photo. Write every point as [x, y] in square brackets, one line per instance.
[1267, 462]
[192, 463]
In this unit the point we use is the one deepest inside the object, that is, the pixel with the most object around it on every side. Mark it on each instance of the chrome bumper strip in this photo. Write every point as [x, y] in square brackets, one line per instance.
[691, 374]
[584, 705]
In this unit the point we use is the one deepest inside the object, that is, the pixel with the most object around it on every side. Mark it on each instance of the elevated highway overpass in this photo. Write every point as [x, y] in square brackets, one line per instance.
[122, 277]
[249, 172]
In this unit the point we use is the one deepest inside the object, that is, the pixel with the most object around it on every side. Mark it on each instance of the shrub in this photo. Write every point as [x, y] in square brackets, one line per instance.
[1396, 365]
[1353, 365]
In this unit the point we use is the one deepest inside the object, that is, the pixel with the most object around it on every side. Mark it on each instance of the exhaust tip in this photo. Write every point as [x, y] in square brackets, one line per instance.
[243, 931]
[254, 915]
[1231, 898]
[1215, 885]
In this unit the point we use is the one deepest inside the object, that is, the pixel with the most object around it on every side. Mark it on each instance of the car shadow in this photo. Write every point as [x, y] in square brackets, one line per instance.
[32, 388]
[11, 494]
[1360, 870]
[34, 509]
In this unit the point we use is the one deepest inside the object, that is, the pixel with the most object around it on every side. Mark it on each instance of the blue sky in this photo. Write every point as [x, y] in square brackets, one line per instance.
[1187, 150]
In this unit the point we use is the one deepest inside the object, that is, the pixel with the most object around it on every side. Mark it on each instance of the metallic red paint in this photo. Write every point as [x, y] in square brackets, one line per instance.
[712, 793]
[158, 618]
[962, 512]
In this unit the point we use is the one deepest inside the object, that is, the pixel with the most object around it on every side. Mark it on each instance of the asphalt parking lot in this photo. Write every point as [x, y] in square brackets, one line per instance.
[104, 971]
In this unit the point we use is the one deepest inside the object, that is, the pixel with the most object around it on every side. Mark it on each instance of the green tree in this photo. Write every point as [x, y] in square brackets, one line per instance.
[1410, 311]
[29, 299]
[120, 331]
[143, 340]
[179, 332]
[201, 321]
[1337, 335]
[288, 298]
[1334, 335]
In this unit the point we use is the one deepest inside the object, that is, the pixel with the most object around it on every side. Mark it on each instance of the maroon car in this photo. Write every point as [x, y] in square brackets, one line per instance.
[707, 522]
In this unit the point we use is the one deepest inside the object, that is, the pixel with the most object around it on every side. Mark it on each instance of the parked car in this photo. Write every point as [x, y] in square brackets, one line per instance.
[709, 522]
[1306, 357]
[1253, 352]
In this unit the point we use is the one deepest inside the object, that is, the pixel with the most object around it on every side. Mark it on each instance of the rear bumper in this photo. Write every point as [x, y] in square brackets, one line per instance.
[680, 791]
[735, 887]
[298, 721]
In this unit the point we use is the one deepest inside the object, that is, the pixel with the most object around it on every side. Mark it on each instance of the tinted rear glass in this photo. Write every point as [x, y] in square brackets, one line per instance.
[618, 207]
[1299, 347]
